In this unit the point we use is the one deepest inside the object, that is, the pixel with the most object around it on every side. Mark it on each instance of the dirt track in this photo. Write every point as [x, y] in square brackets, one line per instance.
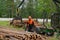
[11, 34]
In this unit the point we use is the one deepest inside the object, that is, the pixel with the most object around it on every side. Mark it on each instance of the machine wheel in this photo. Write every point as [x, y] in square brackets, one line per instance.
[39, 31]
[50, 33]
[43, 33]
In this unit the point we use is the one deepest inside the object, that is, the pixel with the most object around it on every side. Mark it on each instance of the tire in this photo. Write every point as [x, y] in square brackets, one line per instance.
[38, 31]
[50, 33]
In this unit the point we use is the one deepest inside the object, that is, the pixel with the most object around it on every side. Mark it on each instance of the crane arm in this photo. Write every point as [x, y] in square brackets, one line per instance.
[21, 3]
[20, 6]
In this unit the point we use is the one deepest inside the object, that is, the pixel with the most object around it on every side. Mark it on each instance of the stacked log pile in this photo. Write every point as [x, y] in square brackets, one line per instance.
[7, 34]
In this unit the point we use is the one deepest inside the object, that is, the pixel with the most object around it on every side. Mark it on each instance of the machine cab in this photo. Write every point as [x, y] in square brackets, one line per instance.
[55, 20]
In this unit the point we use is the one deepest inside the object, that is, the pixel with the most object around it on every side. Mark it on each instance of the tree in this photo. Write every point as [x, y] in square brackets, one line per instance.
[34, 8]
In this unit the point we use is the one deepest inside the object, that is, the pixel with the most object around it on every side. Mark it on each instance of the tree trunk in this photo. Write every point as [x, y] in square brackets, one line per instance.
[12, 8]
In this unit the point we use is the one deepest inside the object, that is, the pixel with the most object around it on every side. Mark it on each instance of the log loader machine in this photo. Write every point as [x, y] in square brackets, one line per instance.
[55, 21]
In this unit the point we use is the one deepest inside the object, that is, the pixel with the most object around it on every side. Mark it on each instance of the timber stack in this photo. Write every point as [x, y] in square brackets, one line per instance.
[8, 34]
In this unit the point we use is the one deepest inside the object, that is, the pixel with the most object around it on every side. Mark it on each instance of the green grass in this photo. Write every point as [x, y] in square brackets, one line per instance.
[7, 24]
[4, 23]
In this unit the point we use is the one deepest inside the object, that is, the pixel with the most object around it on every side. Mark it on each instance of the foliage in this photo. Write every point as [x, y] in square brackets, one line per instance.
[35, 8]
